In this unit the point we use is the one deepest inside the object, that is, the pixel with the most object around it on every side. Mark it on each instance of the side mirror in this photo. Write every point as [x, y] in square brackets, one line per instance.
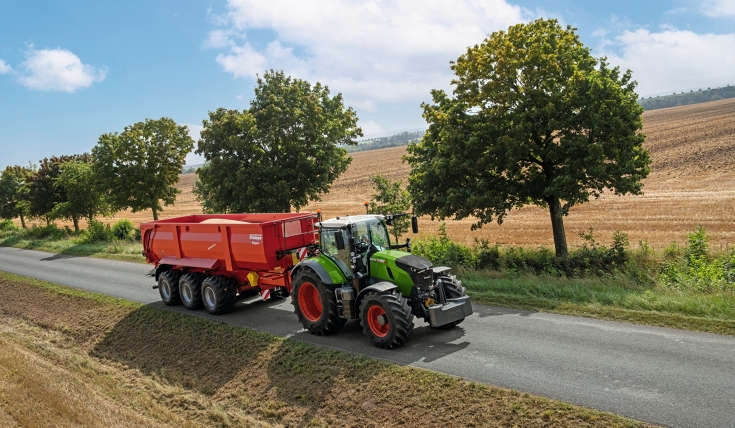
[414, 224]
[408, 245]
[339, 240]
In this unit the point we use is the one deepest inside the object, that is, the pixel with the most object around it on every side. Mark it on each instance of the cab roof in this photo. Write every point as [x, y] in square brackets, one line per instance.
[339, 222]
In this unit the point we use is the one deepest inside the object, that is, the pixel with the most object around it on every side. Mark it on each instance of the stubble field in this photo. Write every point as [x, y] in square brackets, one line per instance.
[692, 182]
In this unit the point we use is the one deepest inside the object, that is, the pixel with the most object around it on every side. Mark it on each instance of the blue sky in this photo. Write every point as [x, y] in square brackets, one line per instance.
[71, 71]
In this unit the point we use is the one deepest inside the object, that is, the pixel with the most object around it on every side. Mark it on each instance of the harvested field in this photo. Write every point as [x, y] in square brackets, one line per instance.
[692, 182]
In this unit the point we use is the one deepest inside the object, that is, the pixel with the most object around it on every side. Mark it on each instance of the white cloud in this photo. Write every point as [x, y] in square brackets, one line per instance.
[58, 70]
[718, 8]
[370, 128]
[675, 60]
[370, 50]
[5, 68]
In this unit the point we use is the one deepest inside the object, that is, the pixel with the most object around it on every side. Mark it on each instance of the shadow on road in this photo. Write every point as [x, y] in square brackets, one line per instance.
[494, 311]
[59, 256]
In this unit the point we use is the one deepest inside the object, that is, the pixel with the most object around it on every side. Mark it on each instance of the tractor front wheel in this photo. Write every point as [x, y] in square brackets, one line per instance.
[452, 289]
[386, 319]
[168, 287]
[315, 304]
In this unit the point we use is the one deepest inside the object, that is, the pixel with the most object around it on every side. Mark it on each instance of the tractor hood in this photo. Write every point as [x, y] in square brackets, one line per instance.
[404, 269]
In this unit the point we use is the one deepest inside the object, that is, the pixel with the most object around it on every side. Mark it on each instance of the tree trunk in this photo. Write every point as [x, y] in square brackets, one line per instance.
[155, 214]
[557, 226]
[76, 223]
[48, 220]
[23, 222]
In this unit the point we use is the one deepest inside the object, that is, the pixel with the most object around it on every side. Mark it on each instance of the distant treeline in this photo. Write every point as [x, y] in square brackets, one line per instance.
[685, 98]
[401, 139]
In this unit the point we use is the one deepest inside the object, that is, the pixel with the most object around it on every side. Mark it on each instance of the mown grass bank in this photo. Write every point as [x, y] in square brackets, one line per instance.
[73, 358]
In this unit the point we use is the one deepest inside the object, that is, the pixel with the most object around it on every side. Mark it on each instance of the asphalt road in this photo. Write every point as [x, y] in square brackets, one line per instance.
[659, 375]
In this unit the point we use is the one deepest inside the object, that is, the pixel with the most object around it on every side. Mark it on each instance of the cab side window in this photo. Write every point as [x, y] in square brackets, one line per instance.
[329, 243]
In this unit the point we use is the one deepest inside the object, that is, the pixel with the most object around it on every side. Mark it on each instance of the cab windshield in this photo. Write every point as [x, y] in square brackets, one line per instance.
[372, 232]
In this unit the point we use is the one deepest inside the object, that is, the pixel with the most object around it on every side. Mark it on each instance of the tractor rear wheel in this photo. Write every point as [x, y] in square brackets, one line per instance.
[168, 287]
[190, 290]
[218, 294]
[315, 304]
[452, 289]
[386, 319]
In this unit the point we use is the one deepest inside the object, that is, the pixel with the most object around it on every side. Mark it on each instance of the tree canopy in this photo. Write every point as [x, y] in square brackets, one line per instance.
[534, 119]
[390, 198]
[13, 202]
[280, 153]
[139, 167]
[84, 197]
[41, 190]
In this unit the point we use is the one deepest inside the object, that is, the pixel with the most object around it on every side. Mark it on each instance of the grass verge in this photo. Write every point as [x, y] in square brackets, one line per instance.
[607, 298]
[120, 250]
[74, 358]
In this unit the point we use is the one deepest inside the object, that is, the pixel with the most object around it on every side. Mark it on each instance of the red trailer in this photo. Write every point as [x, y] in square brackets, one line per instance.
[208, 260]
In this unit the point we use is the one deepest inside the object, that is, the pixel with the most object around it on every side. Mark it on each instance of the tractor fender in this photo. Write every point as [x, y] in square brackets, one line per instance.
[384, 287]
[316, 267]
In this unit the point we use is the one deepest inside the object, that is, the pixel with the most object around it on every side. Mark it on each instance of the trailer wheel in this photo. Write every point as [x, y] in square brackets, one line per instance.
[315, 304]
[386, 319]
[218, 294]
[452, 289]
[168, 287]
[190, 290]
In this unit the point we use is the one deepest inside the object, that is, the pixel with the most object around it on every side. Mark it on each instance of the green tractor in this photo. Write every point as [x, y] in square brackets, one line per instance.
[355, 273]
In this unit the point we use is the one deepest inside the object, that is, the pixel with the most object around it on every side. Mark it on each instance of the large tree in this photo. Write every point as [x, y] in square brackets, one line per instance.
[534, 119]
[280, 153]
[13, 202]
[84, 198]
[42, 193]
[139, 167]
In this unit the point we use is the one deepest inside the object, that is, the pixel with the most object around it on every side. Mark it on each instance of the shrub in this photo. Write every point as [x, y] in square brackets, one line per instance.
[693, 268]
[97, 232]
[50, 231]
[443, 251]
[8, 226]
[486, 257]
[124, 230]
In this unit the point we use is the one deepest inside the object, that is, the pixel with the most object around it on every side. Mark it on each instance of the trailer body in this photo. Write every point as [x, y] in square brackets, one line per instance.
[235, 246]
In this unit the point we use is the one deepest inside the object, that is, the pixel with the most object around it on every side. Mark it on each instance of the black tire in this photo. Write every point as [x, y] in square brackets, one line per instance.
[190, 290]
[386, 319]
[218, 294]
[452, 289]
[319, 312]
[168, 287]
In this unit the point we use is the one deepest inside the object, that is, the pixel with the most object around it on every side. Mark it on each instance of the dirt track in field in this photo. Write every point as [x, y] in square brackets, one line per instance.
[692, 182]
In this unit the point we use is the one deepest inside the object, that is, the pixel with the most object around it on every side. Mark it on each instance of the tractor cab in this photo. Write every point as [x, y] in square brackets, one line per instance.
[351, 242]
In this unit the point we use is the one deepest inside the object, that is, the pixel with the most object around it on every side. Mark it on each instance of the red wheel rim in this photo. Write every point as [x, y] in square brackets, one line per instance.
[310, 302]
[378, 321]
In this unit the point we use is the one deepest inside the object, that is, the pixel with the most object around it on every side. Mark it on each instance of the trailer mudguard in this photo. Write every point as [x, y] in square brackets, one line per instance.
[159, 269]
[327, 275]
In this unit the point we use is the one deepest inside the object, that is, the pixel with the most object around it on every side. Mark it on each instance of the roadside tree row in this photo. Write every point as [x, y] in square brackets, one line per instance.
[135, 169]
